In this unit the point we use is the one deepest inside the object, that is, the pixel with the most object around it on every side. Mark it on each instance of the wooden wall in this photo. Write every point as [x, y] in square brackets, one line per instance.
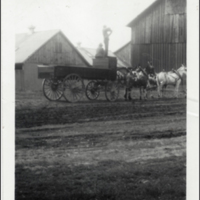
[19, 79]
[160, 36]
[164, 56]
[26, 79]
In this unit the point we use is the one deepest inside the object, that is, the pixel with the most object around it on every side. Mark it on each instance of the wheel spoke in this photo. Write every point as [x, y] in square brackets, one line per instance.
[112, 91]
[52, 89]
[92, 92]
[73, 88]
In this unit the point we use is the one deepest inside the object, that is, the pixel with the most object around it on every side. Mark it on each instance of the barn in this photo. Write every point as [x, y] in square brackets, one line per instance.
[158, 34]
[50, 47]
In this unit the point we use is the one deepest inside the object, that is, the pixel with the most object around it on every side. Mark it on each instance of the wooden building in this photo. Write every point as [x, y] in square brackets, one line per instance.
[45, 47]
[159, 35]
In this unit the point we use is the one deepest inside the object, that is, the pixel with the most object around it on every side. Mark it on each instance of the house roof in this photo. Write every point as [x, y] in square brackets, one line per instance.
[26, 44]
[89, 55]
[145, 12]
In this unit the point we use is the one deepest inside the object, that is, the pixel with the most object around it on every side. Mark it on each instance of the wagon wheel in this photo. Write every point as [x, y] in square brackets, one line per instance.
[92, 91]
[73, 88]
[52, 89]
[111, 91]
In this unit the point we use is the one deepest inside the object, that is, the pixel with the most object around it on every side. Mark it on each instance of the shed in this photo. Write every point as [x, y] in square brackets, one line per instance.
[159, 35]
[50, 47]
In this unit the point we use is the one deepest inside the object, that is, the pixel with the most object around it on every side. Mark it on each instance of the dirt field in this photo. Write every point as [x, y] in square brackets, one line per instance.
[100, 150]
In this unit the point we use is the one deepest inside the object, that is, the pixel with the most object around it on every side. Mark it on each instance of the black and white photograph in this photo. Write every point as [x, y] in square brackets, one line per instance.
[102, 106]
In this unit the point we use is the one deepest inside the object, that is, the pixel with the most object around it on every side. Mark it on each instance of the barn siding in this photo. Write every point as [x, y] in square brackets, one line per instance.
[165, 56]
[19, 79]
[161, 36]
[31, 81]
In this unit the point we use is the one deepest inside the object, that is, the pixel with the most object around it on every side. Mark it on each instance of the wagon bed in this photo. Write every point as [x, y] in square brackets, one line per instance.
[68, 80]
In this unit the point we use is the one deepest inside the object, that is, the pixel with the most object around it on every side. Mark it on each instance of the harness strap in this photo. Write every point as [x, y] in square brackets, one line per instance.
[177, 73]
[144, 72]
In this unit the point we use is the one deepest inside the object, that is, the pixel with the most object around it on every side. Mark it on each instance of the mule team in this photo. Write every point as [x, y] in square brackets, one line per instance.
[146, 79]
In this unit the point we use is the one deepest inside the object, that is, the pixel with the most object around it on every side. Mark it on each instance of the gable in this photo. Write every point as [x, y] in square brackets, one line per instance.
[26, 44]
[57, 51]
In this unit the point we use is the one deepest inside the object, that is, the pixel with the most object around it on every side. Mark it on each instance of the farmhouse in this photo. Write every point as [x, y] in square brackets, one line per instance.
[50, 47]
[158, 34]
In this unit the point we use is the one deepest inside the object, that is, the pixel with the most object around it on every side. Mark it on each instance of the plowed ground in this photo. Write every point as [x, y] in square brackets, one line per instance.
[100, 150]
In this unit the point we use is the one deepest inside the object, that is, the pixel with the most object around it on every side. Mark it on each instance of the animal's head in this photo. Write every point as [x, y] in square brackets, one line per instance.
[134, 74]
[131, 76]
[183, 68]
[150, 64]
[138, 68]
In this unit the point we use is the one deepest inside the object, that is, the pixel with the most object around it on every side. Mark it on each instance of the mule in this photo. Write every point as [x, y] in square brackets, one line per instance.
[174, 78]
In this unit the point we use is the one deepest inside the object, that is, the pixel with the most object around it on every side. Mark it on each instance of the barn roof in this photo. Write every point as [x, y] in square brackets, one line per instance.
[89, 54]
[26, 44]
[145, 12]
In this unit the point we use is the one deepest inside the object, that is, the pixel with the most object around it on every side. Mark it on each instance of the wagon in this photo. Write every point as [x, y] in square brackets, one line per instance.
[68, 81]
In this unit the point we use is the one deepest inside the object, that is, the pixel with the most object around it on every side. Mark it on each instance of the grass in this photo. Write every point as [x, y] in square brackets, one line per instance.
[112, 180]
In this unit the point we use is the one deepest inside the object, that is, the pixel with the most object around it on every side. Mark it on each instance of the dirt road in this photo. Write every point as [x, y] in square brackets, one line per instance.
[93, 146]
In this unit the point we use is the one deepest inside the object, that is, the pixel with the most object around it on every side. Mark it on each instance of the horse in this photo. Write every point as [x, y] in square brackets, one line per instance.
[174, 77]
[121, 75]
[139, 79]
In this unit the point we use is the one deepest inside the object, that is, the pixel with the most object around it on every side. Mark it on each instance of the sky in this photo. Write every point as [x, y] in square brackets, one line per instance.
[81, 20]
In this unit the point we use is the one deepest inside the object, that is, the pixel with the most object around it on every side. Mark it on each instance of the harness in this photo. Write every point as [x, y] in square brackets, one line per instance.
[143, 72]
[174, 71]
[177, 73]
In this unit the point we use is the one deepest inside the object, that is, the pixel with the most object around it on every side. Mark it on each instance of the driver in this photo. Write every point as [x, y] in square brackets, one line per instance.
[150, 72]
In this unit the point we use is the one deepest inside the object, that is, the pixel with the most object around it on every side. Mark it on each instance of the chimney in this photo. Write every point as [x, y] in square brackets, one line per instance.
[31, 29]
